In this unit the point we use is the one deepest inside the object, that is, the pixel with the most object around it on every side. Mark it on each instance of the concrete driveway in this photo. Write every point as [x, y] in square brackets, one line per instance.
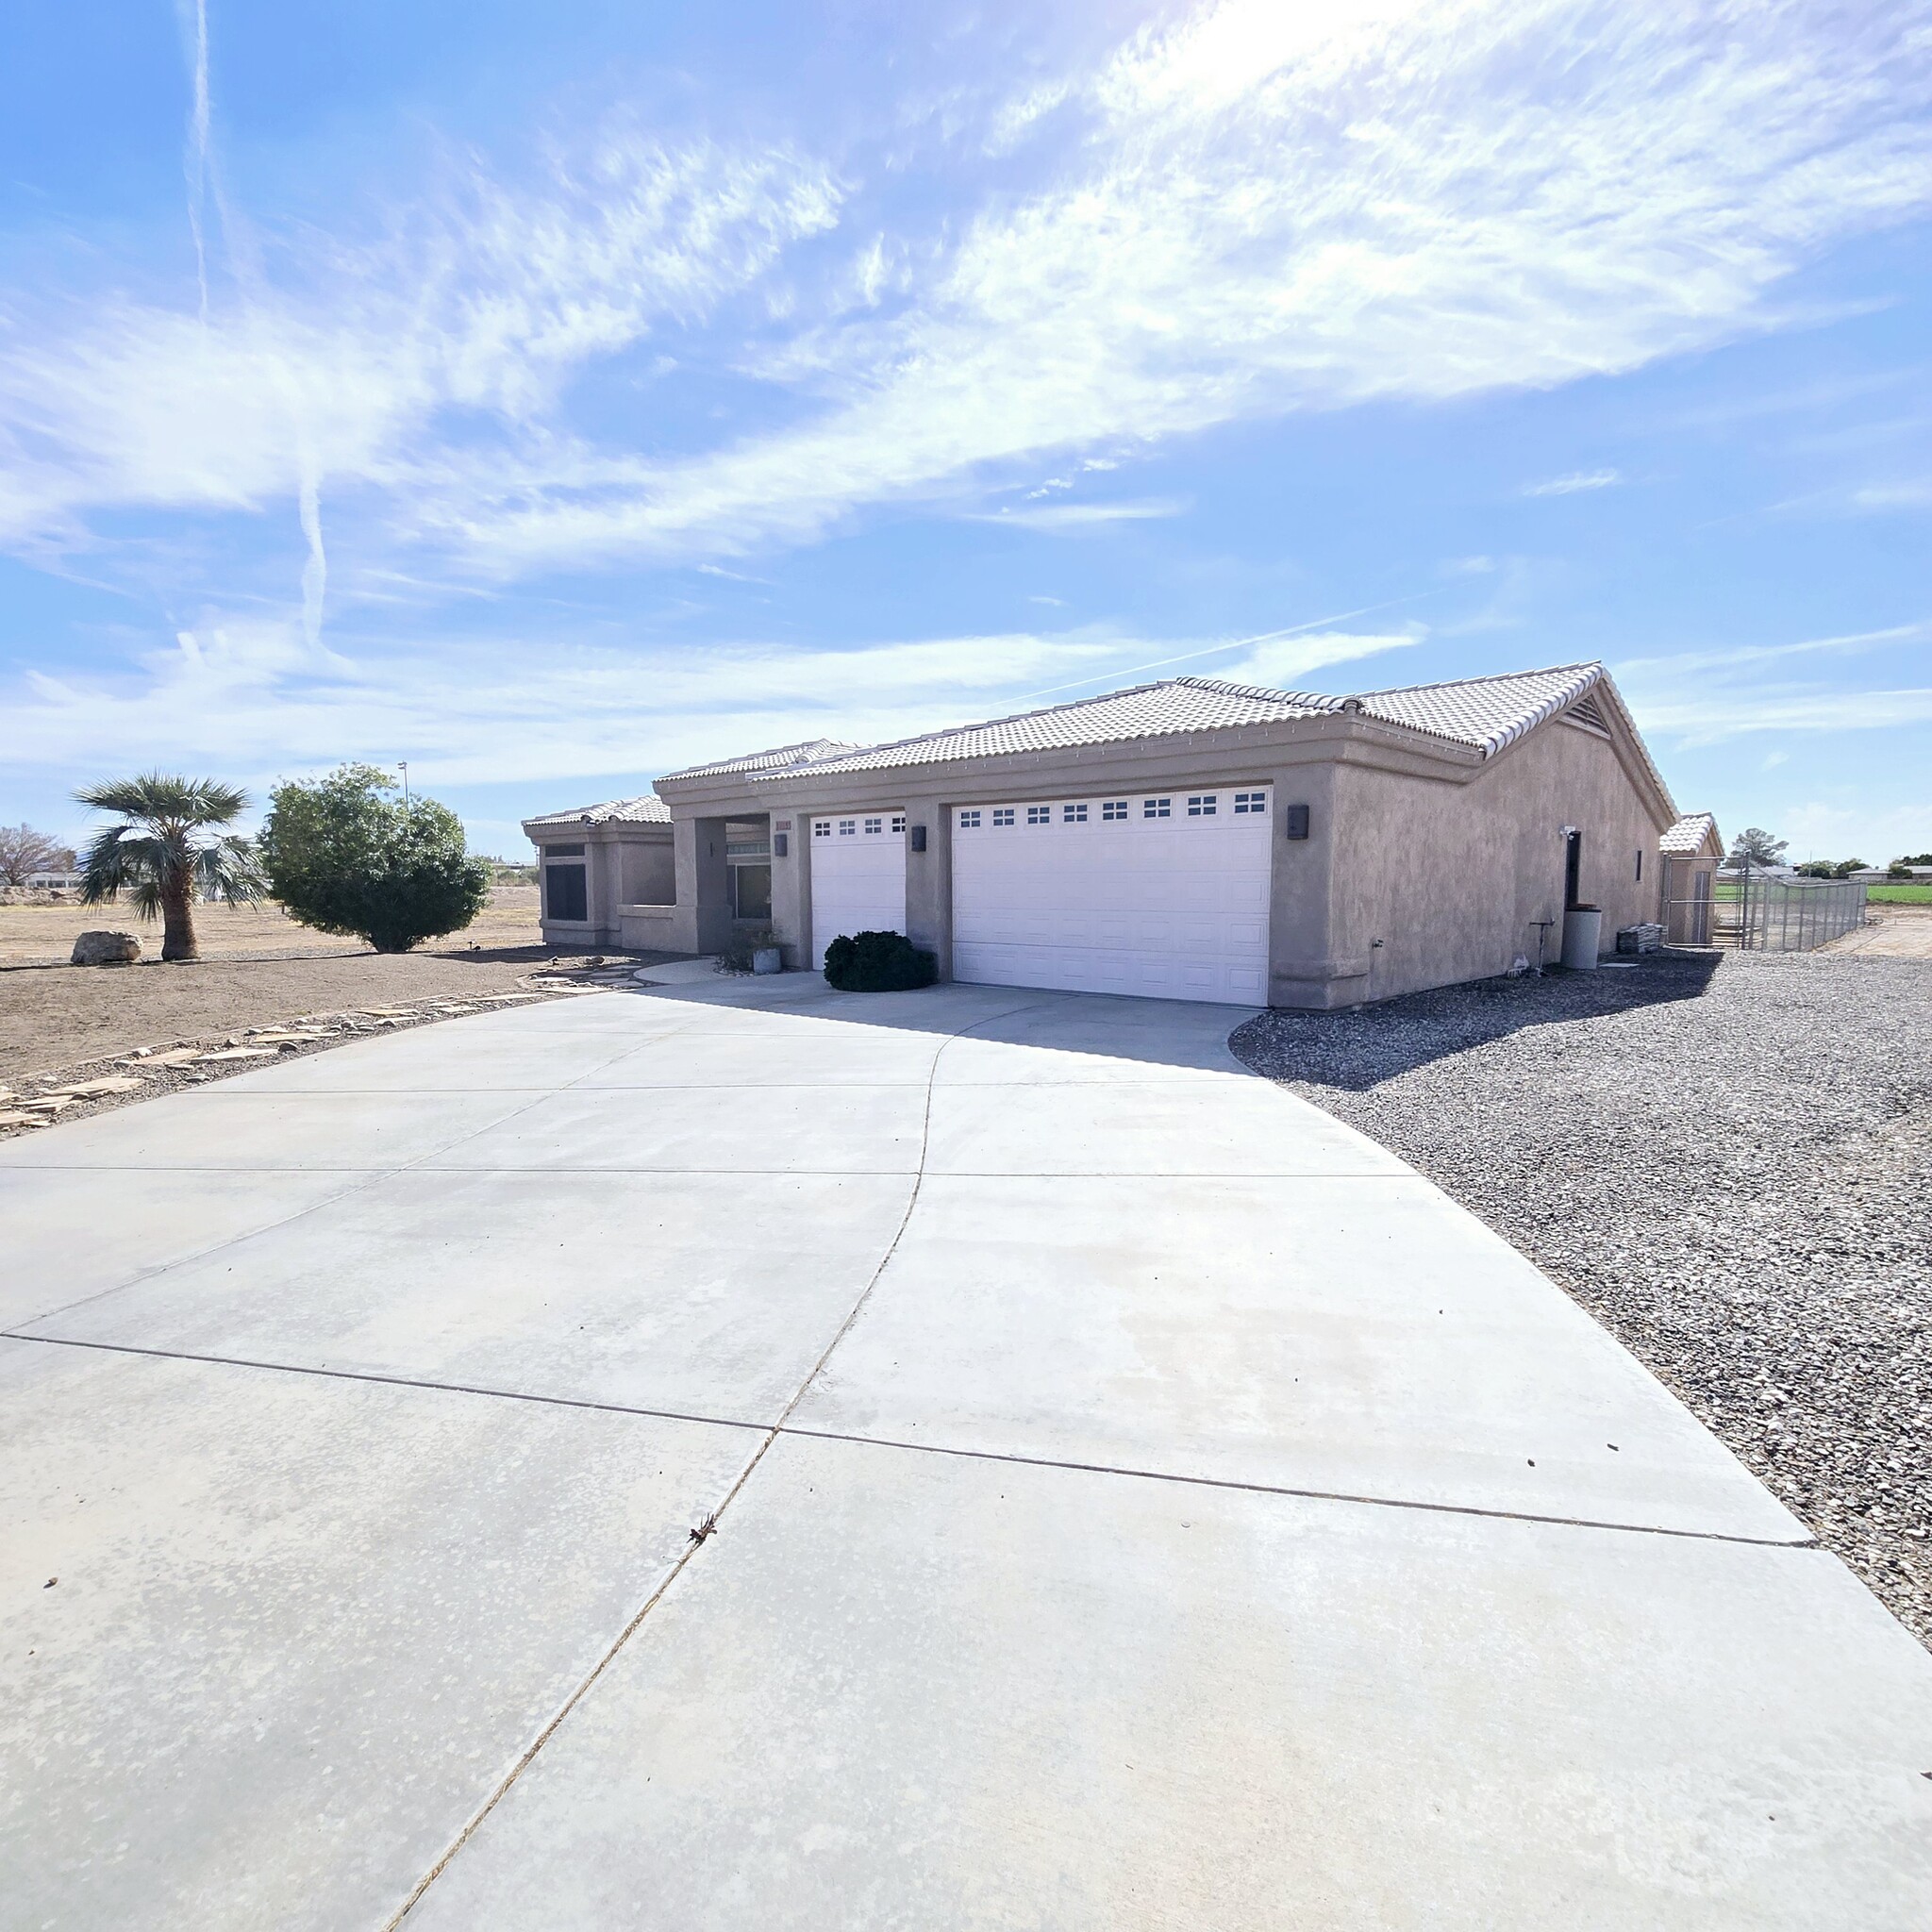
[1140, 1501]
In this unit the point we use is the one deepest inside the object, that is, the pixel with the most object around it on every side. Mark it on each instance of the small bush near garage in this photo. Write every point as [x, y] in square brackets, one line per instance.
[878, 962]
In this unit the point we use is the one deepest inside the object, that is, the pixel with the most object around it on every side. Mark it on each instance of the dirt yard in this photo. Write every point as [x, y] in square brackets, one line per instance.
[259, 968]
[42, 934]
[1891, 932]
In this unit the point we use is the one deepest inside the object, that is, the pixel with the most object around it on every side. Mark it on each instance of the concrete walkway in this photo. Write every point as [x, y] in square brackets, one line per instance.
[1140, 1501]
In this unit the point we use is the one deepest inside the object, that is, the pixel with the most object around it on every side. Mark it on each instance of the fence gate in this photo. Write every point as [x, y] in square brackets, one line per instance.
[1686, 905]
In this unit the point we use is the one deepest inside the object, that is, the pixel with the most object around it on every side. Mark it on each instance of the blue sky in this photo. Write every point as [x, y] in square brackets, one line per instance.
[550, 396]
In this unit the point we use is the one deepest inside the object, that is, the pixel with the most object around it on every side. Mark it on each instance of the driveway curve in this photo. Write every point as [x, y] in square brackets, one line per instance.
[734, 1455]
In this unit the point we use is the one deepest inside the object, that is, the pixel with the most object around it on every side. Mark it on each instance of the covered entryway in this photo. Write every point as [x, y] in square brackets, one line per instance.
[858, 877]
[1162, 894]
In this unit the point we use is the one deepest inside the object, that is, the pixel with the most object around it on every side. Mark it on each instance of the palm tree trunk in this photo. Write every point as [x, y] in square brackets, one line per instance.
[177, 919]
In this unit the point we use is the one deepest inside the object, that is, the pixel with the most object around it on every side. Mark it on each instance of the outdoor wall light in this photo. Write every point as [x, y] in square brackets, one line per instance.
[918, 837]
[781, 845]
[1294, 822]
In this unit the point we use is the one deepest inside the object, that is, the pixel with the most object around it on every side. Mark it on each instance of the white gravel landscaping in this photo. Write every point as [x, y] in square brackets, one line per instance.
[1729, 1161]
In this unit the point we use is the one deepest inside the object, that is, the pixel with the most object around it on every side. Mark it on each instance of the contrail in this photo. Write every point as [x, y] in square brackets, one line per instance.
[315, 572]
[1265, 637]
[195, 160]
[204, 183]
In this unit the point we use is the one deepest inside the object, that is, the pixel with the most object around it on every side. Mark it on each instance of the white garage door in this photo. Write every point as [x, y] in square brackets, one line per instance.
[857, 876]
[1163, 894]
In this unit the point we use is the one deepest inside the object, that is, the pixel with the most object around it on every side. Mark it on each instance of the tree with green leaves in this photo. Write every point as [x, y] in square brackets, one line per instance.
[345, 854]
[1754, 847]
[170, 849]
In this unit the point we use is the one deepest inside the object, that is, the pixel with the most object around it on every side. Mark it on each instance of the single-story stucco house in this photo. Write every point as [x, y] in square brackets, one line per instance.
[1188, 838]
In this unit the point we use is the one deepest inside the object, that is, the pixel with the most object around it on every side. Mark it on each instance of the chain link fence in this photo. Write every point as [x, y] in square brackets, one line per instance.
[1758, 914]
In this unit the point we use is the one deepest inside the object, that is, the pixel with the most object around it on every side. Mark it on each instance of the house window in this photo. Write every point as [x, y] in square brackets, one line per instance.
[563, 852]
[1004, 816]
[899, 823]
[564, 896]
[848, 828]
[1156, 808]
[751, 892]
[1073, 814]
[1202, 805]
[873, 825]
[1040, 814]
[968, 821]
[1639, 865]
[1113, 809]
[1250, 801]
[821, 828]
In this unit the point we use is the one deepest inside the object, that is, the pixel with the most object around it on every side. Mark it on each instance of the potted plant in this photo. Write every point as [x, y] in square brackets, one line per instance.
[751, 949]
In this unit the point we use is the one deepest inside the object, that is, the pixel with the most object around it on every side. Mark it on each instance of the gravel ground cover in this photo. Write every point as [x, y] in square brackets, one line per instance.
[1726, 1159]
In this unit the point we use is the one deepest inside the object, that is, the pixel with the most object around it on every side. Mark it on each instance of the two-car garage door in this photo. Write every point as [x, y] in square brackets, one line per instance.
[1162, 894]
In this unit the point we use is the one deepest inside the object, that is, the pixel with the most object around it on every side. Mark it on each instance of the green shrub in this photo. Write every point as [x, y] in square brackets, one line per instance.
[344, 856]
[878, 962]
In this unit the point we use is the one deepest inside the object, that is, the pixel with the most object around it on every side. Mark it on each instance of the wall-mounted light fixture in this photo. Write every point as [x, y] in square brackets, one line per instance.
[1294, 822]
[918, 837]
[781, 845]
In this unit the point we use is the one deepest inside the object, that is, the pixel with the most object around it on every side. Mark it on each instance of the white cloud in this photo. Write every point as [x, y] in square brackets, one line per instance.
[1574, 481]
[1281, 666]
[1267, 208]
[475, 710]
[1284, 208]
[1704, 697]
[340, 362]
[1081, 516]
[1823, 830]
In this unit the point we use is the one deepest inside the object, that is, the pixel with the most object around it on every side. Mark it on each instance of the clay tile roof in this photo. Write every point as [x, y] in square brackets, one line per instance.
[1483, 712]
[1486, 712]
[1686, 839]
[779, 758]
[1145, 711]
[648, 811]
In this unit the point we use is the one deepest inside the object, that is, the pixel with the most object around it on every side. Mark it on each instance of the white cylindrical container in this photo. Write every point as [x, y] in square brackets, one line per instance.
[1583, 938]
[767, 959]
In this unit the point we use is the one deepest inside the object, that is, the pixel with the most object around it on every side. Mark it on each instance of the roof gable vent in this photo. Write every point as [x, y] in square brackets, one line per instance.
[1586, 711]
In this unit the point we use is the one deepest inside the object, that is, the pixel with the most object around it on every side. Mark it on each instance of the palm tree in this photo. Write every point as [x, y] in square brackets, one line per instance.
[167, 852]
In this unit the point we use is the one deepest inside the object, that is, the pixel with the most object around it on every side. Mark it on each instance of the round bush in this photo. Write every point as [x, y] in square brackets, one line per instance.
[878, 962]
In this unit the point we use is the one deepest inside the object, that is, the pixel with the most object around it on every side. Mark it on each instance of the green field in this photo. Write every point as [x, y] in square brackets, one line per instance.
[1876, 895]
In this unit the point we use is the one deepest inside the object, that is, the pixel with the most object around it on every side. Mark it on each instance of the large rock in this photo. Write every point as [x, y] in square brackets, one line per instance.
[106, 949]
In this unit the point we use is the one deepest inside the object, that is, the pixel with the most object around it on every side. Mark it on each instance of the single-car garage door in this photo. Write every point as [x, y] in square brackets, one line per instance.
[857, 876]
[1157, 893]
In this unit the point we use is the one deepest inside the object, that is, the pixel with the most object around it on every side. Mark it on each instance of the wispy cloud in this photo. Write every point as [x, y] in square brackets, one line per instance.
[1255, 210]
[1577, 480]
[370, 363]
[1704, 697]
[1081, 516]
[472, 708]
[1283, 666]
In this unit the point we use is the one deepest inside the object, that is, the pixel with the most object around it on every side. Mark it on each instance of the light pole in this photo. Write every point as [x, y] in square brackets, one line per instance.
[404, 764]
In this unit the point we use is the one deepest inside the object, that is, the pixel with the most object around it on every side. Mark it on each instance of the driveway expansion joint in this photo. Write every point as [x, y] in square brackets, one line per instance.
[772, 1431]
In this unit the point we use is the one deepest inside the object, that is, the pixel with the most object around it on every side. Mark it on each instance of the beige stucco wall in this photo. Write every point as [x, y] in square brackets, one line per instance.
[1432, 883]
[1442, 855]
[624, 863]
